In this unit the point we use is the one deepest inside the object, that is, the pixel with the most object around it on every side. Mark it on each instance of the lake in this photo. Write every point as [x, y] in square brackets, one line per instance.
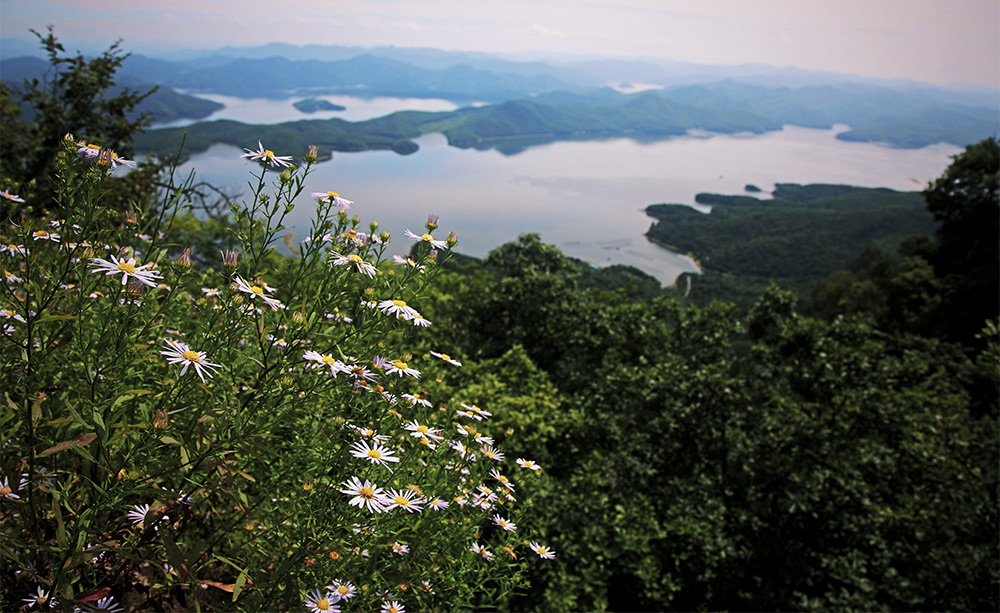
[587, 197]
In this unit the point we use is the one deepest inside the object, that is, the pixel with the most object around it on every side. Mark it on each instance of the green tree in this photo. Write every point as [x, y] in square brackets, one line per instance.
[73, 99]
[966, 202]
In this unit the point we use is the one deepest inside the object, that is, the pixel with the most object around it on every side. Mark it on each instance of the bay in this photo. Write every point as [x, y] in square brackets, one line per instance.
[269, 111]
[587, 197]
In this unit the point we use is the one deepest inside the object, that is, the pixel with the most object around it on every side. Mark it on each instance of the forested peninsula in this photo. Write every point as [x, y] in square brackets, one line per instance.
[801, 233]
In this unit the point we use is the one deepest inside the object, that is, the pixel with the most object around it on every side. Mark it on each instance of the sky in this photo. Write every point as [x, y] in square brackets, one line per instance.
[935, 41]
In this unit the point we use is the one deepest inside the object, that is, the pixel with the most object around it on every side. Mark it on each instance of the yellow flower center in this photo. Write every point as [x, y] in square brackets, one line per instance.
[423, 429]
[257, 290]
[322, 604]
[542, 551]
[328, 360]
[374, 453]
[41, 233]
[445, 356]
[399, 365]
[270, 154]
[392, 609]
[367, 492]
[356, 258]
[126, 267]
[398, 303]
[92, 146]
[342, 590]
[401, 501]
[333, 194]
[191, 356]
[5, 490]
[427, 237]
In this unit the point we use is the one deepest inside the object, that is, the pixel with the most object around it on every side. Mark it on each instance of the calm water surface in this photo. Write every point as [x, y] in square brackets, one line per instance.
[266, 111]
[586, 197]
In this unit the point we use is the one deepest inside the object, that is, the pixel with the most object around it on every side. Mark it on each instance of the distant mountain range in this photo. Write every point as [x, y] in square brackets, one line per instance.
[534, 101]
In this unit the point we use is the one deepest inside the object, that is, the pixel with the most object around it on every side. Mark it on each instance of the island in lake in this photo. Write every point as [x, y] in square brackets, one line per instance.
[311, 105]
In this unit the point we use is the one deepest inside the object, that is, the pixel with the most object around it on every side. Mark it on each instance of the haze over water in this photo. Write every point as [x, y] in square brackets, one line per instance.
[586, 197]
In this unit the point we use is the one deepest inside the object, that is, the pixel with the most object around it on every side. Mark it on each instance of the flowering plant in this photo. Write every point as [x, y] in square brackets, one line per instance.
[244, 430]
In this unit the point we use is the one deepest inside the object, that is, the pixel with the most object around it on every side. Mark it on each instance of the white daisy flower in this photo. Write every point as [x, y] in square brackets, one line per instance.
[437, 504]
[426, 238]
[528, 464]
[415, 399]
[145, 274]
[318, 602]
[391, 606]
[41, 599]
[503, 523]
[401, 368]
[399, 548]
[43, 235]
[180, 353]
[354, 261]
[446, 358]
[336, 366]
[403, 499]
[407, 261]
[492, 453]
[333, 198]
[481, 550]
[419, 430]
[9, 196]
[501, 478]
[419, 321]
[257, 291]
[6, 491]
[102, 157]
[13, 249]
[542, 551]
[138, 515]
[108, 605]
[365, 495]
[343, 590]
[461, 448]
[399, 308]
[473, 412]
[266, 156]
[9, 314]
[377, 453]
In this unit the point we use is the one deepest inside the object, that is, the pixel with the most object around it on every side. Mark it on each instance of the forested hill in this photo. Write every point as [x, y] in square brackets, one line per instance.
[164, 104]
[804, 232]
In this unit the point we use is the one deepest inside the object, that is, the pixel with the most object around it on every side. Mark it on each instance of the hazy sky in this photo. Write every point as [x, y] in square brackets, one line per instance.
[938, 41]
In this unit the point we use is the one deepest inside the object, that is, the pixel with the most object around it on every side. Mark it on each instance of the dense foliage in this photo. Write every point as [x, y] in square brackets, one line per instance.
[802, 233]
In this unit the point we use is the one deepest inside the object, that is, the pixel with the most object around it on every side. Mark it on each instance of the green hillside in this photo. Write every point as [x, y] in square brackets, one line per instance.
[803, 233]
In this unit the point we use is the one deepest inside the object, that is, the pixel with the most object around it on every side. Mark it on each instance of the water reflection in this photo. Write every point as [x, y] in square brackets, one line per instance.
[586, 197]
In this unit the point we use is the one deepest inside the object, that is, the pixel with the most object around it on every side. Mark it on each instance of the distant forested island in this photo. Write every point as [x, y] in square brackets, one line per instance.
[801, 234]
[312, 105]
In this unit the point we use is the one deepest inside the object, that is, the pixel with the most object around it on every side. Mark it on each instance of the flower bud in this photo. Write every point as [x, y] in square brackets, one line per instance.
[452, 239]
[184, 259]
[230, 258]
[432, 222]
[160, 420]
[373, 226]
[312, 155]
